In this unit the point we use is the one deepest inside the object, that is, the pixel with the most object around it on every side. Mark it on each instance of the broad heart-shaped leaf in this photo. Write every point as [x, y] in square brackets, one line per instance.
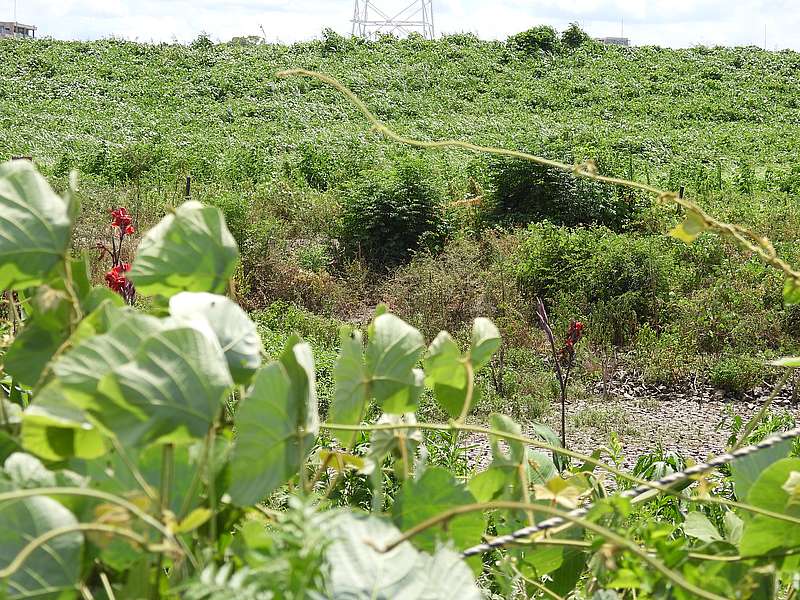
[446, 374]
[485, 342]
[48, 326]
[436, 492]
[236, 333]
[53, 570]
[275, 426]
[697, 525]
[763, 534]
[747, 469]
[352, 385]
[190, 250]
[36, 226]
[690, 228]
[447, 370]
[33, 348]
[392, 353]
[516, 454]
[170, 392]
[54, 429]
[361, 572]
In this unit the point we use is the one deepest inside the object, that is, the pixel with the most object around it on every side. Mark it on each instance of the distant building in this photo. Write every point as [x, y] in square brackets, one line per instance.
[12, 29]
[614, 41]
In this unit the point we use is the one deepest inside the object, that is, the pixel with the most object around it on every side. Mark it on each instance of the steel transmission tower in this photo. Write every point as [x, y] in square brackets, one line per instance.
[370, 20]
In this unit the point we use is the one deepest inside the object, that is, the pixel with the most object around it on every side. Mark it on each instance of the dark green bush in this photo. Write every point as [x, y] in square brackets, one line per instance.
[737, 374]
[236, 210]
[392, 213]
[621, 280]
[522, 192]
[542, 38]
[574, 36]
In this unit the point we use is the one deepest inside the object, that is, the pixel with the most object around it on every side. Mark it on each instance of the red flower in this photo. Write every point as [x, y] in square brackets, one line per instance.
[129, 230]
[121, 219]
[116, 279]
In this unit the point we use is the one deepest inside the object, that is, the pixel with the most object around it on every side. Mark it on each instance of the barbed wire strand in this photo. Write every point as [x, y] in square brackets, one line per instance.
[665, 482]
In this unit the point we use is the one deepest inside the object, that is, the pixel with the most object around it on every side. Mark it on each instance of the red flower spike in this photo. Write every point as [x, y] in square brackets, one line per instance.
[121, 219]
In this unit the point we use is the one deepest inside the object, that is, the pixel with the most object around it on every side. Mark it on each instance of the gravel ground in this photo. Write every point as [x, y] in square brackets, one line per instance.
[687, 420]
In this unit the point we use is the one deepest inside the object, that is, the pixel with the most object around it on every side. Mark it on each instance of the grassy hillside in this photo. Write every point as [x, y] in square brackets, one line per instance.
[315, 200]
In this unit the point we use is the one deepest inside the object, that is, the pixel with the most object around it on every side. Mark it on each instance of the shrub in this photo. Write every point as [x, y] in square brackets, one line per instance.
[537, 39]
[236, 210]
[522, 192]
[393, 213]
[737, 374]
[620, 280]
[574, 36]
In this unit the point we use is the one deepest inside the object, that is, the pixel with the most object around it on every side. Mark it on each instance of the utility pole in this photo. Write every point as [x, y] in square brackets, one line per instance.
[371, 20]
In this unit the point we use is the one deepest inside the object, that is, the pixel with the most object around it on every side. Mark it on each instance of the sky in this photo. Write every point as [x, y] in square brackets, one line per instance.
[675, 23]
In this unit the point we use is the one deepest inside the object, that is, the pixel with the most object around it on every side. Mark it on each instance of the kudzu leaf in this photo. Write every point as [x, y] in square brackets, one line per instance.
[747, 469]
[361, 570]
[52, 571]
[191, 250]
[275, 429]
[516, 454]
[393, 351]
[763, 534]
[170, 392]
[36, 225]
[692, 226]
[54, 429]
[485, 342]
[698, 526]
[235, 331]
[436, 492]
[352, 385]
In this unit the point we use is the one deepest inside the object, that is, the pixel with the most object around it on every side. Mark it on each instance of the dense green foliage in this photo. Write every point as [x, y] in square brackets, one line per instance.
[203, 425]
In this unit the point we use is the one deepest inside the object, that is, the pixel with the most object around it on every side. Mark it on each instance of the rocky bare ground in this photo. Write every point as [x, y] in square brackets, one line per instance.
[690, 420]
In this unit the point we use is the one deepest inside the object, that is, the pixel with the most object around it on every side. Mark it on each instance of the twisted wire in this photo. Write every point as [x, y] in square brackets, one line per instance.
[661, 485]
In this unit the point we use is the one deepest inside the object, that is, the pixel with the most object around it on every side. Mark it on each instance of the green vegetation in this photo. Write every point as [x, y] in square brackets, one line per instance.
[326, 215]
[204, 451]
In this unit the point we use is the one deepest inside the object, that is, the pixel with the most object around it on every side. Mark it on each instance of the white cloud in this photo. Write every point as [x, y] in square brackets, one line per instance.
[664, 22]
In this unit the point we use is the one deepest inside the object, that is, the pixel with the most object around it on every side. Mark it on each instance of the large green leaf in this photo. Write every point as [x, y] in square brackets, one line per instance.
[447, 370]
[53, 570]
[236, 332]
[698, 526]
[360, 571]
[747, 469]
[31, 351]
[436, 492]
[485, 342]
[275, 426]
[190, 250]
[170, 392]
[776, 490]
[392, 353]
[54, 429]
[352, 385]
[36, 226]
